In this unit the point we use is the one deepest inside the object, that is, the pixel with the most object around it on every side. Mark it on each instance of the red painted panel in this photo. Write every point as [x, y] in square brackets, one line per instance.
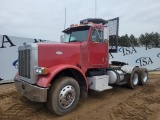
[58, 53]
[44, 81]
[98, 54]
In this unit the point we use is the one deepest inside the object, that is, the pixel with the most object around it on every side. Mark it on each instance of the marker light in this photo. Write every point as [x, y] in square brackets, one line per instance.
[90, 22]
[74, 25]
[41, 70]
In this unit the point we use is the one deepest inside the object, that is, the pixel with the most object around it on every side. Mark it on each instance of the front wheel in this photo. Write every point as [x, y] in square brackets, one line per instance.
[63, 95]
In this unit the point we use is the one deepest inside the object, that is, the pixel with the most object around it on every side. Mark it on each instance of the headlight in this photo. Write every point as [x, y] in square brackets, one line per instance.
[41, 70]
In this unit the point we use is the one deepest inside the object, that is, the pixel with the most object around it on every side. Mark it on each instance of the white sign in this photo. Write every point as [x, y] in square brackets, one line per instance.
[9, 55]
[138, 56]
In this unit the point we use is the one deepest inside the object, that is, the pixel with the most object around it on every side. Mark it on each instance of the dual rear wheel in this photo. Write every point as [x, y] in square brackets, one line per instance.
[138, 77]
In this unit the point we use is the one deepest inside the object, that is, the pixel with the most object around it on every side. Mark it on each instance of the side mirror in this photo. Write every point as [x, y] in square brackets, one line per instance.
[62, 38]
[15, 64]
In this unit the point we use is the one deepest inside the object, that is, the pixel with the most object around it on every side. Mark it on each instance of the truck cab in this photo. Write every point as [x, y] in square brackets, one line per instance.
[59, 73]
[93, 48]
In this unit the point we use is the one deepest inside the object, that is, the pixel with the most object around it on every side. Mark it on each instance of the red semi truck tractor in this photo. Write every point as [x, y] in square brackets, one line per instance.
[60, 73]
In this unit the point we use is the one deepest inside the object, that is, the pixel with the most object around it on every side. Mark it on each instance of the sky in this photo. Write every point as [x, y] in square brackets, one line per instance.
[45, 19]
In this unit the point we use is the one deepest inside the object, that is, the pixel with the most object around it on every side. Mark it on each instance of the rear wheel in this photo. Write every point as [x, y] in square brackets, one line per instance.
[63, 95]
[133, 81]
[143, 76]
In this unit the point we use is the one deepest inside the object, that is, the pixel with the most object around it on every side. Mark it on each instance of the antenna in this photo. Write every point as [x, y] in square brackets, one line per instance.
[95, 7]
[65, 19]
[77, 11]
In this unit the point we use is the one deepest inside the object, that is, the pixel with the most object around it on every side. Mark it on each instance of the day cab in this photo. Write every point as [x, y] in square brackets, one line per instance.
[59, 73]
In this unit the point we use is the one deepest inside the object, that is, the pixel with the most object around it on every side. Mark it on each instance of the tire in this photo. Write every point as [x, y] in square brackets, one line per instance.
[143, 76]
[133, 81]
[63, 95]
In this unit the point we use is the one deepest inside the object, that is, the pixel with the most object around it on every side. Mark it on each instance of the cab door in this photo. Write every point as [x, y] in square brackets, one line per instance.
[98, 50]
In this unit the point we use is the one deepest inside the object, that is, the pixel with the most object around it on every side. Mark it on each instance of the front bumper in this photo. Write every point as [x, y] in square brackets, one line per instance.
[32, 92]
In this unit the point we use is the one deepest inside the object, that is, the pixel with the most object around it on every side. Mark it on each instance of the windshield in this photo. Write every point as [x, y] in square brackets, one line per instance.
[77, 34]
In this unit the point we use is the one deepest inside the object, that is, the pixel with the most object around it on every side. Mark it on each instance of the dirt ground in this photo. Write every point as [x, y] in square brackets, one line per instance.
[118, 103]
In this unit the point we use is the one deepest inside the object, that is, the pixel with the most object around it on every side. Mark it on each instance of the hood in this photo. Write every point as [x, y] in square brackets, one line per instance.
[51, 54]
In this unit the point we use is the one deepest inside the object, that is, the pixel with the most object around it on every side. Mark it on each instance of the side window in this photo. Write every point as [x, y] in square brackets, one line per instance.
[97, 35]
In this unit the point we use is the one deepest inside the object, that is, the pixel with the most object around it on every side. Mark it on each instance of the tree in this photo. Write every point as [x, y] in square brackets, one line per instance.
[133, 40]
[123, 41]
[142, 40]
[147, 40]
[155, 39]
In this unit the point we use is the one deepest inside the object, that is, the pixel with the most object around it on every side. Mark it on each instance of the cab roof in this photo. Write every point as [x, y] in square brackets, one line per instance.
[75, 28]
[93, 20]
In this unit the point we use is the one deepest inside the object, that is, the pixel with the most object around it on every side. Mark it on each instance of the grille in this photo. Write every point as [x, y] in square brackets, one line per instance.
[24, 60]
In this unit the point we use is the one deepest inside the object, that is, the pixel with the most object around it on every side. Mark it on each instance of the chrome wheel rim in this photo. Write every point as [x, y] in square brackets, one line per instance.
[67, 96]
[135, 79]
[145, 77]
